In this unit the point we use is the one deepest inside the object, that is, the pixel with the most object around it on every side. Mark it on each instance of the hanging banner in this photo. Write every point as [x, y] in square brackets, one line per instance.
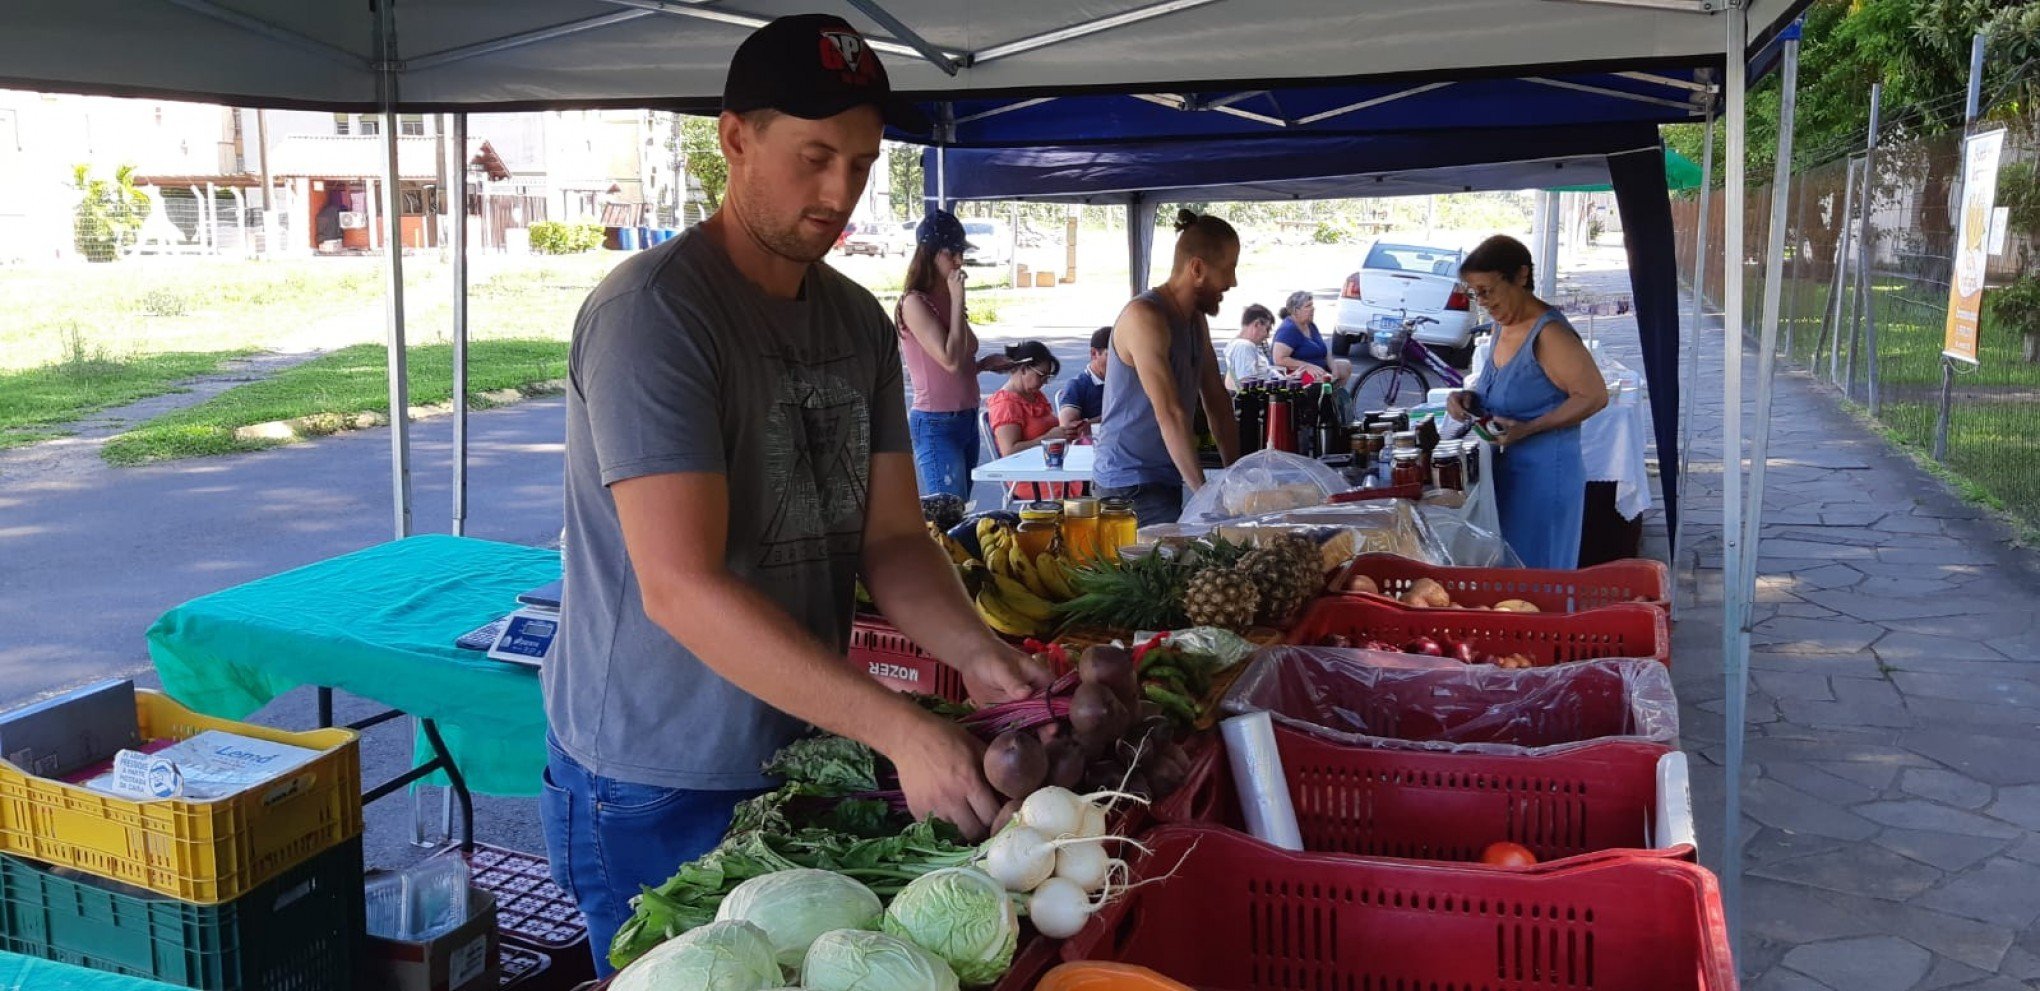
[1980, 154]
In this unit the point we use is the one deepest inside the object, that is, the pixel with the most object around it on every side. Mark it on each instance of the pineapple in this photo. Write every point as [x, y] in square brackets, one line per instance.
[1221, 597]
[1285, 572]
[1145, 593]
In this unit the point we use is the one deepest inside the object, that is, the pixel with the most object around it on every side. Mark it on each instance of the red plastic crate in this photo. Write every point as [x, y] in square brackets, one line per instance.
[1554, 590]
[1418, 805]
[895, 662]
[1234, 914]
[1404, 702]
[1629, 630]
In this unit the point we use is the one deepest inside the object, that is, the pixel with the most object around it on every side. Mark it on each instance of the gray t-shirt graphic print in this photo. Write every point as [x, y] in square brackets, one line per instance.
[679, 364]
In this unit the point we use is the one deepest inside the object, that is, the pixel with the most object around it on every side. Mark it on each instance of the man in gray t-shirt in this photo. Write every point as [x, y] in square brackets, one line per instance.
[737, 458]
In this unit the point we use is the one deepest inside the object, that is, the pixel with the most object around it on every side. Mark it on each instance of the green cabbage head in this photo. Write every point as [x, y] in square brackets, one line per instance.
[795, 906]
[961, 915]
[855, 960]
[720, 956]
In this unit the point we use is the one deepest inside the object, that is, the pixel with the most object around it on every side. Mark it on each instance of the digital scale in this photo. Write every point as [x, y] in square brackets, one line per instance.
[527, 636]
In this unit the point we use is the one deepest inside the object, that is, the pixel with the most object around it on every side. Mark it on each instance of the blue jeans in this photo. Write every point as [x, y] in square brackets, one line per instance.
[1153, 502]
[607, 838]
[945, 450]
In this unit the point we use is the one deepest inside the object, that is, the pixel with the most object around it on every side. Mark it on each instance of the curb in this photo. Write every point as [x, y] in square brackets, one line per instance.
[325, 424]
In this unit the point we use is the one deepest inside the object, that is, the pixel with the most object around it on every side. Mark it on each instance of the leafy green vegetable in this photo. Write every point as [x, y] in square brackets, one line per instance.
[852, 960]
[962, 916]
[794, 907]
[831, 765]
[691, 896]
[721, 956]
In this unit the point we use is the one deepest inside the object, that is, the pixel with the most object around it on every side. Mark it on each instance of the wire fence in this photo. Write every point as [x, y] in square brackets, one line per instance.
[1877, 338]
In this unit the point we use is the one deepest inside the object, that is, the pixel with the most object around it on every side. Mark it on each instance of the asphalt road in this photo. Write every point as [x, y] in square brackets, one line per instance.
[91, 555]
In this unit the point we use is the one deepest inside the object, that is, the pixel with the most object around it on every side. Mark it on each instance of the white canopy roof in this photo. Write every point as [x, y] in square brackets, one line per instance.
[505, 54]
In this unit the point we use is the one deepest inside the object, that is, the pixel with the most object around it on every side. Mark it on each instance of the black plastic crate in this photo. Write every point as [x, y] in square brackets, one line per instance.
[300, 931]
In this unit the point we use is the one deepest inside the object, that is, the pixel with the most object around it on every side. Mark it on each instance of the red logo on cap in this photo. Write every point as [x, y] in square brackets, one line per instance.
[844, 52]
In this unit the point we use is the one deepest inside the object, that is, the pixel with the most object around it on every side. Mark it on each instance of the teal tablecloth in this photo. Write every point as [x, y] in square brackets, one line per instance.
[379, 623]
[20, 973]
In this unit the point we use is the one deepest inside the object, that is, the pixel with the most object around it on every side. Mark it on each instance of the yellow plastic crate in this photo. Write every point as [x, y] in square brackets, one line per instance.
[200, 852]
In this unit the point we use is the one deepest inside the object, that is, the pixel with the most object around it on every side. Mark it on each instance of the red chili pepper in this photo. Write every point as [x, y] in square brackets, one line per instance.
[1057, 654]
[1141, 650]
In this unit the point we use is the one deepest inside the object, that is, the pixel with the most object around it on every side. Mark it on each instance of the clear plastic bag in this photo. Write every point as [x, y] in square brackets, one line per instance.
[1404, 701]
[1263, 482]
[1387, 526]
[1464, 543]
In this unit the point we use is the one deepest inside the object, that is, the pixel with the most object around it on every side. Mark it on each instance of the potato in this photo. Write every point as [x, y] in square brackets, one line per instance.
[1426, 593]
[1516, 605]
[1363, 584]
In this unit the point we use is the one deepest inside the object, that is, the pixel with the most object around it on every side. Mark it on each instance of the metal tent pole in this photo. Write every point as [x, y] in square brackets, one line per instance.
[1866, 298]
[393, 211]
[1140, 258]
[457, 171]
[1735, 607]
[1798, 262]
[1547, 244]
[1774, 271]
[1832, 314]
[1969, 112]
[1691, 385]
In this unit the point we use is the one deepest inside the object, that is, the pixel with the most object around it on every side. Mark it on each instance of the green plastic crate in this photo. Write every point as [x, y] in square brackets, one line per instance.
[301, 931]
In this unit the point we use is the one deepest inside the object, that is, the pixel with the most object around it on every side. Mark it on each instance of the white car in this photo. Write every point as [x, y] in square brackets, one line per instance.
[1397, 280]
[879, 238]
[991, 242]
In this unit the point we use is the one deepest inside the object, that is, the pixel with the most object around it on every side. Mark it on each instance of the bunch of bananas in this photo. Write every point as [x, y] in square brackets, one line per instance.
[1020, 596]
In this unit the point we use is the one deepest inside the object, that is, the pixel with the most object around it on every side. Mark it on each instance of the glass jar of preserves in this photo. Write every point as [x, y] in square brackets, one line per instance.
[1116, 526]
[1080, 529]
[1040, 524]
[1448, 466]
[1408, 467]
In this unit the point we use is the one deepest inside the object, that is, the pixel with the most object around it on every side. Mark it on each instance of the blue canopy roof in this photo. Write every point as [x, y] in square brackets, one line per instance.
[1416, 106]
[1277, 167]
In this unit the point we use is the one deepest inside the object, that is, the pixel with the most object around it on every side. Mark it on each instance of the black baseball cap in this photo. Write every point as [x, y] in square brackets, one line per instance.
[814, 66]
[941, 230]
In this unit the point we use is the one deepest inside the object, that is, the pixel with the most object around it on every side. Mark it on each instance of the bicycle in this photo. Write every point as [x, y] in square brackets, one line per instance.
[1400, 381]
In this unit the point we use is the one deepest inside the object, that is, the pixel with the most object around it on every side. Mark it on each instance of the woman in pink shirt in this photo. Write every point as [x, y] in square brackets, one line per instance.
[941, 355]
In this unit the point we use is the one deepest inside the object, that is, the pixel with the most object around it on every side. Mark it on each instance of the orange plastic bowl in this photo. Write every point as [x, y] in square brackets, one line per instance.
[1106, 977]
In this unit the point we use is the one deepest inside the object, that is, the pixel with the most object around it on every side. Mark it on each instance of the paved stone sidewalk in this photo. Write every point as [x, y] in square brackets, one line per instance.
[1891, 785]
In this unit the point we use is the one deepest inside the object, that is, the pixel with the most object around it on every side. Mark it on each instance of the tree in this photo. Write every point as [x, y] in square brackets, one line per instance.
[2017, 306]
[702, 147]
[110, 213]
[905, 180]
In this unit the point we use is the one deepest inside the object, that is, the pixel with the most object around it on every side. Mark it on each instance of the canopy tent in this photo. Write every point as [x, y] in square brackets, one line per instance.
[1478, 154]
[464, 56]
[471, 55]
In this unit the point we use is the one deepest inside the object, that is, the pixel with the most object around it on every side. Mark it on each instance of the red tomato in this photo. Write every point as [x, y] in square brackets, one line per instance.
[1507, 854]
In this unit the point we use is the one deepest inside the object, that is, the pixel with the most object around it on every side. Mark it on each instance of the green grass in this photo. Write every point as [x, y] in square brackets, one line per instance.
[347, 382]
[36, 399]
[147, 307]
[1994, 421]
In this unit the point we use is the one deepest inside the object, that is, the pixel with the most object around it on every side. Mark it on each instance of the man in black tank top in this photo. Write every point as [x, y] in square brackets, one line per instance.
[1161, 364]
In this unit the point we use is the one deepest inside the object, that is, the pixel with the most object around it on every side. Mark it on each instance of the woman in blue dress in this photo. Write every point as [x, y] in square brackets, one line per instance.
[1539, 383]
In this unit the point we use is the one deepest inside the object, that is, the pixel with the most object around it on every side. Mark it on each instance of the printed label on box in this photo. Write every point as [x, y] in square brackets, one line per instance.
[468, 962]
